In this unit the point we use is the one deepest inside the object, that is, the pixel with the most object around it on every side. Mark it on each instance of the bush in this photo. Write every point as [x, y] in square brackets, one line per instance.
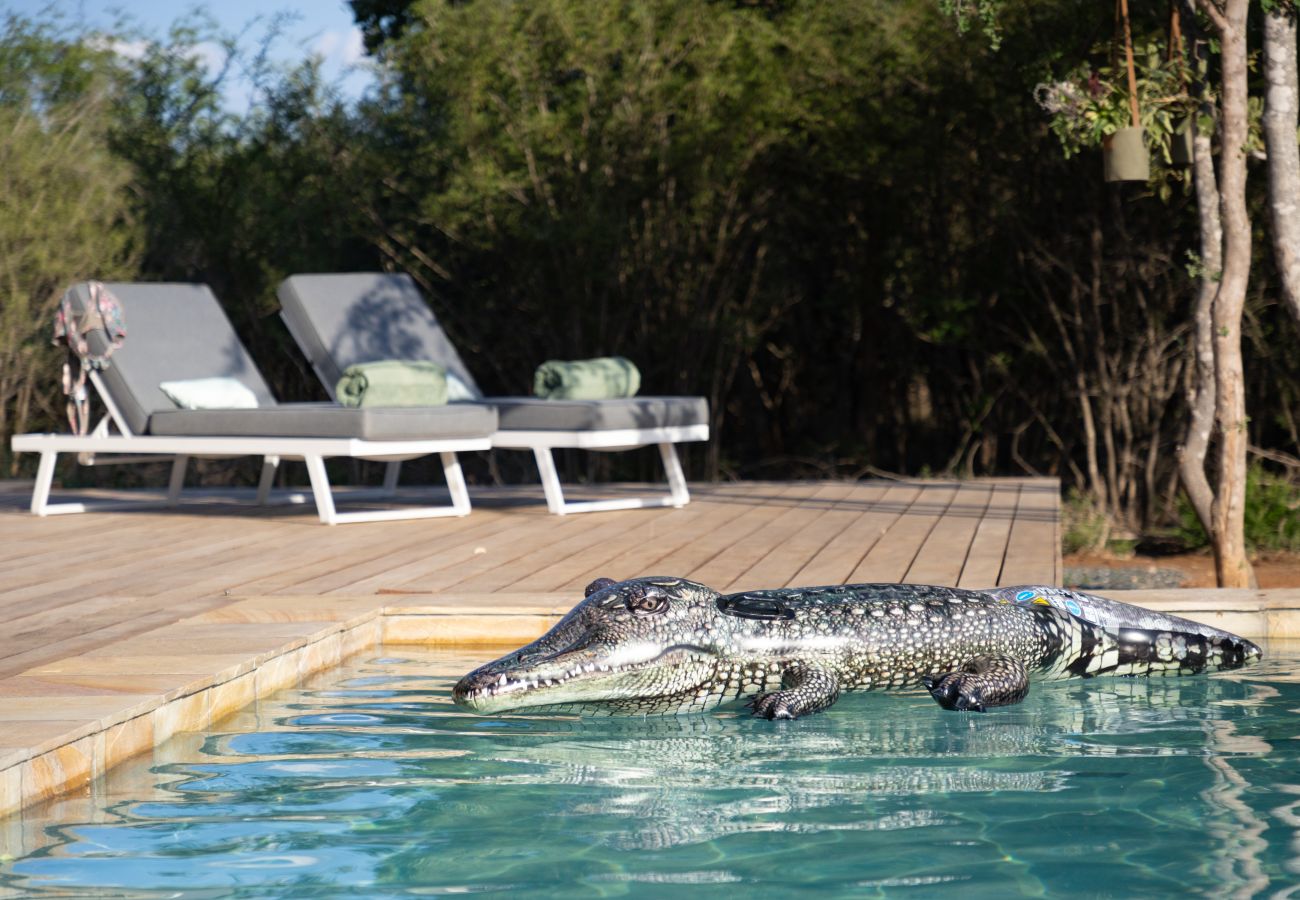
[1272, 514]
[1084, 524]
[63, 206]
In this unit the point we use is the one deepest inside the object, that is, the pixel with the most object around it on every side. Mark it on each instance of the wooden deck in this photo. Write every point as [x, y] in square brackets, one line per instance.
[69, 584]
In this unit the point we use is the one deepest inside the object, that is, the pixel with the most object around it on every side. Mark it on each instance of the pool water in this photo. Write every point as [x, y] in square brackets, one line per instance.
[368, 782]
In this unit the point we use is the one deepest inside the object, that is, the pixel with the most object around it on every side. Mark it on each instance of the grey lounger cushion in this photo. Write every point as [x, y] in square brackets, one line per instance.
[341, 320]
[180, 331]
[173, 332]
[346, 320]
[463, 420]
[533, 414]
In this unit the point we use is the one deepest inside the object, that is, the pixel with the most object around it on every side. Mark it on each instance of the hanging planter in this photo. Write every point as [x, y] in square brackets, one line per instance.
[1125, 156]
[1125, 152]
[1129, 111]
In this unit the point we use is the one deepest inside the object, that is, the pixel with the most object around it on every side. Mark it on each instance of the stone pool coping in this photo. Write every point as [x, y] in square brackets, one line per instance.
[66, 722]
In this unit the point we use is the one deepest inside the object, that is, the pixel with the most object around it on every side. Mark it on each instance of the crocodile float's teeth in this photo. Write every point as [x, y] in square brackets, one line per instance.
[501, 682]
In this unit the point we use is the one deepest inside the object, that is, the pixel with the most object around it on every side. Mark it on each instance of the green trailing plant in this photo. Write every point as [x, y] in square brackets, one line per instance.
[1272, 514]
[1091, 103]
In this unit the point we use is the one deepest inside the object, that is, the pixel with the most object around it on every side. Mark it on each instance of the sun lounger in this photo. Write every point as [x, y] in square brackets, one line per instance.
[178, 332]
[343, 320]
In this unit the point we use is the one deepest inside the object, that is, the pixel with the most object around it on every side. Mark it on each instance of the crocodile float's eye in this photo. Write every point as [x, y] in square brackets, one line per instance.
[644, 602]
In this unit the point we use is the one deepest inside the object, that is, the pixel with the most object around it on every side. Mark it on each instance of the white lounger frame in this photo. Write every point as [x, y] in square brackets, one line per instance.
[544, 443]
[125, 447]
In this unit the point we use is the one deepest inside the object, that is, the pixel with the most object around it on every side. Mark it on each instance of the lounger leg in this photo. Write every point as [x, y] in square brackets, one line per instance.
[179, 464]
[678, 494]
[320, 489]
[44, 481]
[41, 505]
[455, 482]
[393, 469]
[269, 465]
[550, 480]
[676, 478]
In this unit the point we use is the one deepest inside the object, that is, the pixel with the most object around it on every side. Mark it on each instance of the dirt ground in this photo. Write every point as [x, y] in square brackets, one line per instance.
[1280, 570]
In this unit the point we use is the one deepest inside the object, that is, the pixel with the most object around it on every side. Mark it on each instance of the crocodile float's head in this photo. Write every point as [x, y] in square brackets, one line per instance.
[647, 645]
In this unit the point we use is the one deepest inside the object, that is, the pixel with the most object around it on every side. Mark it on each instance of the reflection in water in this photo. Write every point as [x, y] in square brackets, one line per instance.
[1101, 788]
[1238, 860]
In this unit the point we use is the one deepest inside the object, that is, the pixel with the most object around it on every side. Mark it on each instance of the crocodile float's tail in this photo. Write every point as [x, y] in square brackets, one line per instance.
[1131, 640]
[1137, 651]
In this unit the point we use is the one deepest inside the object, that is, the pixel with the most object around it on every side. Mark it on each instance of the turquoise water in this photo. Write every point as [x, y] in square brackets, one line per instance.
[369, 783]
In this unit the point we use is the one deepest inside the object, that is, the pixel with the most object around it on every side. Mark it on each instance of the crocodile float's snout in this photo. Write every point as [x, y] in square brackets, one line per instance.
[629, 647]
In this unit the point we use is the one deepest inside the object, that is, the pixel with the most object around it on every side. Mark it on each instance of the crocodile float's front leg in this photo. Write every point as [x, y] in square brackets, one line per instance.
[980, 683]
[804, 689]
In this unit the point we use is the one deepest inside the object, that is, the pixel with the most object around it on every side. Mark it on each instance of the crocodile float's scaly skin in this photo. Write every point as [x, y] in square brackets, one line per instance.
[667, 645]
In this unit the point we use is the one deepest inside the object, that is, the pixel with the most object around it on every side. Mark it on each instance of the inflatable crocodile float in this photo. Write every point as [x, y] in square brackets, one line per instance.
[651, 646]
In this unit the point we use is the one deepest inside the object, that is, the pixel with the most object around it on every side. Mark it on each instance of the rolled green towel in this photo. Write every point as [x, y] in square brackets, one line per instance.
[393, 382]
[586, 379]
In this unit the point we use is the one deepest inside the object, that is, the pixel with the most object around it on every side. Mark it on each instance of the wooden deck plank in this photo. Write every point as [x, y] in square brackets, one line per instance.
[141, 569]
[650, 557]
[837, 560]
[442, 553]
[685, 560]
[96, 631]
[893, 554]
[942, 557]
[553, 563]
[729, 571]
[672, 527]
[988, 547]
[100, 552]
[394, 547]
[778, 567]
[1033, 554]
[510, 556]
[359, 575]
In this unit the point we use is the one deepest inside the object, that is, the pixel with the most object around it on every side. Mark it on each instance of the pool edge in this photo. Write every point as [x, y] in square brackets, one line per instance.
[72, 720]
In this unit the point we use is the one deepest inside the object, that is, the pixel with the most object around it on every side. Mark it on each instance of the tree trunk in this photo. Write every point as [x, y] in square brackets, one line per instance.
[1280, 105]
[1200, 394]
[1228, 537]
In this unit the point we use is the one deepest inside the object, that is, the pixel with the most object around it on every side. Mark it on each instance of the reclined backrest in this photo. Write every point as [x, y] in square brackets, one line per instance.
[343, 320]
[173, 332]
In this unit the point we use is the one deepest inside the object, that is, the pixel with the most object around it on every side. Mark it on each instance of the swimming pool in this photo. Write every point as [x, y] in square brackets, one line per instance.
[368, 782]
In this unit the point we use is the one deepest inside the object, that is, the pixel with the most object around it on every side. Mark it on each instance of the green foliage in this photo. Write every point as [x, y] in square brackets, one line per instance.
[1085, 527]
[624, 172]
[1272, 514]
[63, 203]
[1089, 104]
[239, 202]
[967, 13]
[840, 221]
[381, 21]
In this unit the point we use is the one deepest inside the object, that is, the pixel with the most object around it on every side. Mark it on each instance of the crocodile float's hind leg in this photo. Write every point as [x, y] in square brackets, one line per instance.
[982, 682]
[804, 689]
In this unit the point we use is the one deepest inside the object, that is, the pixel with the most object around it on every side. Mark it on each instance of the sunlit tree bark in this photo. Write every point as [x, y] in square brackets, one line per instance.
[1195, 446]
[1280, 110]
[1228, 513]
[1200, 397]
